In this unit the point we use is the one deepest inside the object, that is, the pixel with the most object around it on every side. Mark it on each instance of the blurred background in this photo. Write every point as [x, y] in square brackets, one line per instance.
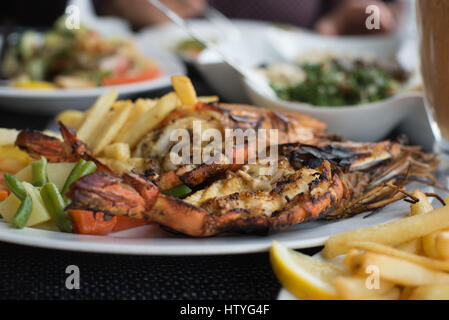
[326, 16]
[256, 33]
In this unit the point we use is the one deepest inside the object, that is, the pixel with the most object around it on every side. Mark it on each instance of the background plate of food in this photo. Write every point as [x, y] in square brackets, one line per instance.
[112, 186]
[63, 68]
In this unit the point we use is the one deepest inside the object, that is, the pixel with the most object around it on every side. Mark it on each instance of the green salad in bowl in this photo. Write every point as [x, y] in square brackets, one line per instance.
[331, 81]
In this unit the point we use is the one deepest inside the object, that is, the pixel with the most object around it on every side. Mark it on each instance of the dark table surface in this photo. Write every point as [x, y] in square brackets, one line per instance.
[34, 273]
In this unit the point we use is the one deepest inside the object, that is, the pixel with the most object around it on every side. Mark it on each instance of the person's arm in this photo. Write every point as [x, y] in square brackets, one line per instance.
[141, 13]
[349, 17]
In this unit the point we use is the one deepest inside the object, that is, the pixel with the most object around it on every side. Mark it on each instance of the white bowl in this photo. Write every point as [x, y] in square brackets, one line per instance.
[265, 43]
[366, 122]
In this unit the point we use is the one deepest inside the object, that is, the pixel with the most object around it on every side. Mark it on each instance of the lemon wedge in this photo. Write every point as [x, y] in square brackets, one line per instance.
[306, 277]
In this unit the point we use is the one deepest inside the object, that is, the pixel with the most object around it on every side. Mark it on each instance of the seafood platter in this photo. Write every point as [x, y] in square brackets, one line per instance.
[160, 176]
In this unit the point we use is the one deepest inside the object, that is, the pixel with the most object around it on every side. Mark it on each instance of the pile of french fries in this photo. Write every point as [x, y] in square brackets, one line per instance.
[112, 128]
[409, 257]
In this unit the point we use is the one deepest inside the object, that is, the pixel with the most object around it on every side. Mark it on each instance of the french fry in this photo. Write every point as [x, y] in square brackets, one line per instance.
[422, 206]
[436, 244]
[350, 259]
[149, 120]
[118, 151]
[436, 292]
[391, 233]
[116, 165]
[208, 99]
[146, 104]
[185, 90]
[412, 246]
[355, 288]
[95, 116]
[104, 134]
[120, 103]
[140, 107]
[392, 252]
[397, 270]
[442, 245]
[71, 118]
[429, 245]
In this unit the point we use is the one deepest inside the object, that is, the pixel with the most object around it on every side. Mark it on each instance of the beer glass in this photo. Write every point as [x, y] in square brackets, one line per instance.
[433, 32]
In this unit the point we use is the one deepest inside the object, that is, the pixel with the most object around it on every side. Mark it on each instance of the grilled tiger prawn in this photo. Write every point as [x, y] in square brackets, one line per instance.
[331, 181]
[291, 127]
[140, 192]
[37, 144]
[316, 176]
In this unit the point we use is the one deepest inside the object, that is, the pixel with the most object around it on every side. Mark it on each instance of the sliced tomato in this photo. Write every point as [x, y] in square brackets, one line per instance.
[124, 223]
[88, 222]
[125, 79]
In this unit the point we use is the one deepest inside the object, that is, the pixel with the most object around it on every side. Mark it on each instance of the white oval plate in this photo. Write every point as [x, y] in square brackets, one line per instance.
[54, 101]
[151, 240]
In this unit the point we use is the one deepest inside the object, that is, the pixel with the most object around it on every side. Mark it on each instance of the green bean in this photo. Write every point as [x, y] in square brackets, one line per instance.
[180, 191]
[39, 169]
[23, 213]
[82, 168]
[55, 205]
[15, 186]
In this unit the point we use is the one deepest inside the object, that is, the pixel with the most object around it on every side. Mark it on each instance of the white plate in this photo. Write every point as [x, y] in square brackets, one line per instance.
[151, 240]
[54, 101]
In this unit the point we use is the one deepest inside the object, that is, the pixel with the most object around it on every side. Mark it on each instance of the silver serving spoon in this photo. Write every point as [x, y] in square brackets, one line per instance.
[249, 74]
